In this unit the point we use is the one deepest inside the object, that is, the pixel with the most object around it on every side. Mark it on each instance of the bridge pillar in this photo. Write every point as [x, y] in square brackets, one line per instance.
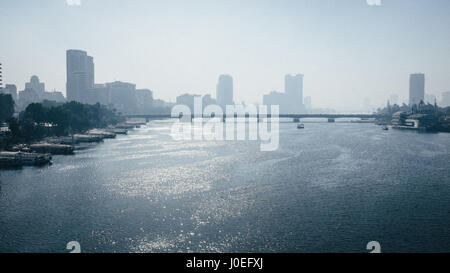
[296, 120]
[331, 120]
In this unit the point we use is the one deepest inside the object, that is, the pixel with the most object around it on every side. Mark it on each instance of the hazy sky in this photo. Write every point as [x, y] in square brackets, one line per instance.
[346, 49]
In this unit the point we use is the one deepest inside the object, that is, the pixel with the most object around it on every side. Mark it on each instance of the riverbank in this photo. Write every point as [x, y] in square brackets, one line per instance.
[40, 153]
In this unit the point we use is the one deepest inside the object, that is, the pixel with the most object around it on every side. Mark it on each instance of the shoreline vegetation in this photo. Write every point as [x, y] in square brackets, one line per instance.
[46, 129]
[422, 117]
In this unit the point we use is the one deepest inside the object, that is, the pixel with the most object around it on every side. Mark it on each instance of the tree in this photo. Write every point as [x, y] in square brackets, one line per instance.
[60, 119]
[35, 112]
[16, 130]
[6, 107]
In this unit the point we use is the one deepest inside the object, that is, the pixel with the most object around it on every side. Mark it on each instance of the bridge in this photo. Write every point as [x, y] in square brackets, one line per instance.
[330, 117]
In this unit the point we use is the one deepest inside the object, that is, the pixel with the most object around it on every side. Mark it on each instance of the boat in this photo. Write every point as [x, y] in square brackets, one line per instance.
[18, 159]
[54, 149]
[301, 126]
[385, 127]
[101, 133]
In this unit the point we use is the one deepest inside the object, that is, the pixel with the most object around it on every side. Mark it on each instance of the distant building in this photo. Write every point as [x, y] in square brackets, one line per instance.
[35, 92]
[276, 98]
[293, 87]
[144, 98]
[416, 88]
[27, 97]
[122, 96]
[53, 96]
[445, 99]
[307, 102]
[224, 91]
[158, 103]
[80, 74]
[188, 100]
[291, 101]
[10, 89]
[208, 100]
[98, 94]
[36, 85]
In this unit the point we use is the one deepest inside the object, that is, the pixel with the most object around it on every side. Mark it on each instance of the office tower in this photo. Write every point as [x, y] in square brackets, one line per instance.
[293, 87]
[12, 90]
[224, 91]
[445, 99]
[80, 73]
[416, 88]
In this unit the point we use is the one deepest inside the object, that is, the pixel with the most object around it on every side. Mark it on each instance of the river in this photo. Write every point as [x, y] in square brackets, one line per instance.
[331, 187]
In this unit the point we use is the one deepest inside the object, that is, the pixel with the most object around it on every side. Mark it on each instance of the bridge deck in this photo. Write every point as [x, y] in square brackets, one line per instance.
[335, 116]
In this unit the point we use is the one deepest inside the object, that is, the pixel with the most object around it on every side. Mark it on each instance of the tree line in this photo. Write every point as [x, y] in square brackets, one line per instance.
[44, 119]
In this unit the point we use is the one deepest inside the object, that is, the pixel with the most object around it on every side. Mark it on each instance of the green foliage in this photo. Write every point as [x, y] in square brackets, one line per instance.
[35, 112]
[6, 107]
[38, 121]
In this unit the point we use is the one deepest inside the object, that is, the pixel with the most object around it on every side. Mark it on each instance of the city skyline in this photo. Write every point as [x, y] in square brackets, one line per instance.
[347, 51]
[126, 98]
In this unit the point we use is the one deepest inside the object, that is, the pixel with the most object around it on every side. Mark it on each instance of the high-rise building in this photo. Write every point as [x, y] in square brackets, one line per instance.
[445, 99]
[293, 86]
[80, 73]
[224, 91]
[416, 88]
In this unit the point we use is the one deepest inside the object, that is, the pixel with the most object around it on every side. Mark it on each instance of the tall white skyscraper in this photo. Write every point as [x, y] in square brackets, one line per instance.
[80, 73]
[416, 88]
[293, 86]
[224, 91]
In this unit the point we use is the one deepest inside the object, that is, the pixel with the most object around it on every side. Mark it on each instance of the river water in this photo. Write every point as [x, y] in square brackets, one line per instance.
[328, 188]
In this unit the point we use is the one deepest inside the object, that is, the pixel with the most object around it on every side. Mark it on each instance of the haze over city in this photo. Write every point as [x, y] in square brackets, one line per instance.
[347, 50]
[235, 134]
